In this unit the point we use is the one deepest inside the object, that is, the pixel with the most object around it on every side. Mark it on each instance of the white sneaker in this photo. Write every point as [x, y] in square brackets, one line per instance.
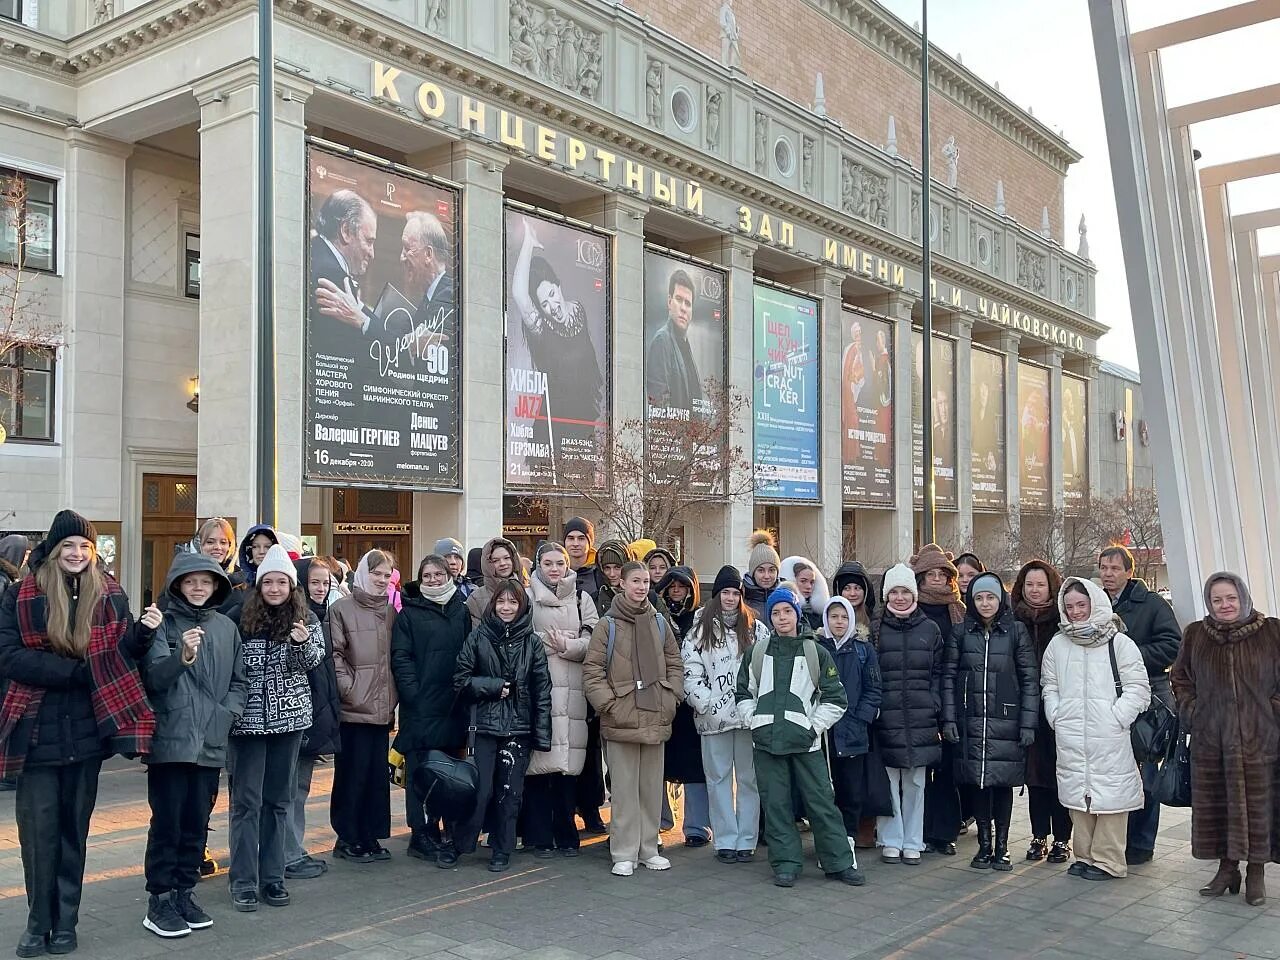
[911, 856]
[656, 863]
[891, 855]
[623, 868]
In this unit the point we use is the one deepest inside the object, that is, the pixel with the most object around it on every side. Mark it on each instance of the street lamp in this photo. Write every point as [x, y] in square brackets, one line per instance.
[926, 271]
[266, 365]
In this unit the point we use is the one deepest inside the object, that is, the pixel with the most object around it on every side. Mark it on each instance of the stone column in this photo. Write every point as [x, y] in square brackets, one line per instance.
[227, 430]
[962, 415]
[622, 216]
[476, 515]
[92, 367]
[723, 538]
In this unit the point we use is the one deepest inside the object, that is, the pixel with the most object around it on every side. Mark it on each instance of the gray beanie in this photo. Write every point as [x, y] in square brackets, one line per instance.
[449, 547]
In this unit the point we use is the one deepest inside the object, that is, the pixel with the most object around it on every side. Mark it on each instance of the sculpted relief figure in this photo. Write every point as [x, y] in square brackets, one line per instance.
[951, 153]
[730, 51]
[437, 10]
[524, 45]
[713, 119]
[653, 93]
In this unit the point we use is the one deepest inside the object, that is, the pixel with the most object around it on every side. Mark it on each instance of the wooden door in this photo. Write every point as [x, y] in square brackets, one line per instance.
[168, 521]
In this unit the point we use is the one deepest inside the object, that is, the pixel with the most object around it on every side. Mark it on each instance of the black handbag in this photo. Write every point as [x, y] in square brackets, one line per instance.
[1171, 785]
[1151, 732]
[446, 784]
[877, 799]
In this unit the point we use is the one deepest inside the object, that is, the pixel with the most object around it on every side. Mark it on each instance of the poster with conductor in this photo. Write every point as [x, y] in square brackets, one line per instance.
[685, 357]
[1075, 443]
[382, 360]
[986, 408]
[866, 410]
[557, 352]
[942, 404]
[1033, 437]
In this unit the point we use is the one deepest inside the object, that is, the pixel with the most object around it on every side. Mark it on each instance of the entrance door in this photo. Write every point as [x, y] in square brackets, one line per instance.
[367, 520]
[168, 520]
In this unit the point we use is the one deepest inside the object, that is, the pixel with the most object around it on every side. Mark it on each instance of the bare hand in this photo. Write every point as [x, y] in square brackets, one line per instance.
[151, 617]
[191, 644]
[506, 690]
[532, 237]
[342, 305]
[299, 632]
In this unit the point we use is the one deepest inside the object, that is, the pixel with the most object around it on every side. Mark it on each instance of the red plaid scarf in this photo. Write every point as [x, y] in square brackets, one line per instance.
[125, 719]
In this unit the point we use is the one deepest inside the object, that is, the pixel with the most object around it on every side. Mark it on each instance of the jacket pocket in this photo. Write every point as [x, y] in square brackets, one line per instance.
[219, 728]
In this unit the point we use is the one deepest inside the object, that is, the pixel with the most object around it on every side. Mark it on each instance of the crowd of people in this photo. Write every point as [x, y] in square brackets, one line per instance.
[894, 714]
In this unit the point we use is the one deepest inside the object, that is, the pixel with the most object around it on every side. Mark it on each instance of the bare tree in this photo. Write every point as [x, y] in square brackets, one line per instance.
[663, 471]
[1066, 541]
[24, 324]
[1131, 520]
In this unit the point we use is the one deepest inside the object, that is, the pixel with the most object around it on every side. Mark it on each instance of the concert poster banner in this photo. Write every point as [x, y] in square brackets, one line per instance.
[382, 363]
[558, 306]
[986, 403]
[1033, 437]
[943, 403]
[1075, 443]
[786, 395]
[866, 410]
[685, 360]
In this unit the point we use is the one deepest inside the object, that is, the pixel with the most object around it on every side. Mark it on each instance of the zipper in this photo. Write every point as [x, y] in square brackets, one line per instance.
[1084, 699]
[986, 699]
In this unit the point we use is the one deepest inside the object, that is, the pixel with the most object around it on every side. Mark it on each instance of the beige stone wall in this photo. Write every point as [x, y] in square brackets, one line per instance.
[863, 87]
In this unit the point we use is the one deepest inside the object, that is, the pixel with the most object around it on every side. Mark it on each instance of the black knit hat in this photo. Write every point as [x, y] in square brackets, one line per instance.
[580, 525]
[727, 577]
[68, 523]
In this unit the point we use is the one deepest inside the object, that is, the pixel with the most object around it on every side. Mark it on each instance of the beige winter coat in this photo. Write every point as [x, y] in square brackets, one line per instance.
[360, 626]
[611, 687]
[567, 610]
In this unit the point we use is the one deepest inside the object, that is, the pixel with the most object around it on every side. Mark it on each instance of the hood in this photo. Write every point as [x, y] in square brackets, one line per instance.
[474, 573]
[185, 563]
[303, 566]
[1242, 590]
[13, 548]
[852, 571]
[987, 580]
[850, 630]
[661, 552]
[566, 589]
[639, 549]
[821, 594]
[486, 561]
[686, 576]
[244, 556]
[612, 551]
[1101, 616]
[518, 629]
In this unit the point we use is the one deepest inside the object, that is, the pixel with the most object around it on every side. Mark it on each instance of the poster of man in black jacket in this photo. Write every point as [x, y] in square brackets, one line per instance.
[1149, 622]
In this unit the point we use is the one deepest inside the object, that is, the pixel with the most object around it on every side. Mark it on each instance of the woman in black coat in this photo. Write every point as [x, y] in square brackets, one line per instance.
[990, 709]
[426, 639]
[909, 647]
[502, 669]
[1035, 606]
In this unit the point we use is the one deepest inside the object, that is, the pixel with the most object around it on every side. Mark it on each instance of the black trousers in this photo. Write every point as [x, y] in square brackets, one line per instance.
[180, 795]
[53, 807]
[422, 821]
[549, 802]
[590, 786]
[501, 763]
[992, 804]
[942, 813]
[360, 805]
[1048, 815]
[849, 780]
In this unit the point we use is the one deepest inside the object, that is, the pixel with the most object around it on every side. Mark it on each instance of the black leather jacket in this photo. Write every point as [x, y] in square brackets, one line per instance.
[494, 654]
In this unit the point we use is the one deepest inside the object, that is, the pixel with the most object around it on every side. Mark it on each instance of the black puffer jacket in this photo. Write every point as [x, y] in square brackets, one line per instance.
[910, 654]
[991, 692]
[496, 653]
[755, 596]
[324, 737]
[425, 644]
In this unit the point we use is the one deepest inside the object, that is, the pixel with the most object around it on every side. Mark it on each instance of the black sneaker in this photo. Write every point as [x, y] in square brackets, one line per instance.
[1060, 852]
[784, 879]
[746, 856]
[351, 851]
[499, 862]
[1078, 868]
[1038, 850]
[1135, 857]
[245, 901]
[208, 866]
[163, 920]
[850, 875]
[376, 850]
[448, 858]
[190, 911]
[423, 847]
[31, 945]
[62, 942]
[727, 856]
[305, 868]
[275, 895]
[696, 841]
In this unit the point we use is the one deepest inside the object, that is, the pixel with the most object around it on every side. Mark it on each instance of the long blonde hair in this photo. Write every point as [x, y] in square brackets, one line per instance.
[69, 640]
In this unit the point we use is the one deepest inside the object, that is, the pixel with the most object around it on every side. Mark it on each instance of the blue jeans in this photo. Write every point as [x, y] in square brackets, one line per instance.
[1144, 824]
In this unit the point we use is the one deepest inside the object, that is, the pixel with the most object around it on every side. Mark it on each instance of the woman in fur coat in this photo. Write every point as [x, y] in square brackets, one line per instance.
[1227, 684]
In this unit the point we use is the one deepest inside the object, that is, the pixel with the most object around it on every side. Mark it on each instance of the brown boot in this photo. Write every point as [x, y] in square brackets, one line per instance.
[1227, 878]
[1255, 890]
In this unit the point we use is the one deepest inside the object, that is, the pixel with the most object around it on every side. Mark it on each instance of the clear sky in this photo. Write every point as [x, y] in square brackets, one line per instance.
[1041, 54]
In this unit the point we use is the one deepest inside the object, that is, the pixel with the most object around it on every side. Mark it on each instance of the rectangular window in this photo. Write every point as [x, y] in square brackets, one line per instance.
[11, 9]
[192, 272]
[28, 219]
[26, 394]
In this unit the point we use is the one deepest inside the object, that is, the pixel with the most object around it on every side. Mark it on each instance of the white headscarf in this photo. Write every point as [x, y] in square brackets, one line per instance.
[1102, 625]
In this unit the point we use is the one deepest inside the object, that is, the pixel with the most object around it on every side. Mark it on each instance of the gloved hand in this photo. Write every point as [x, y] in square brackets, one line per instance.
[1027, 738]
[950, 733]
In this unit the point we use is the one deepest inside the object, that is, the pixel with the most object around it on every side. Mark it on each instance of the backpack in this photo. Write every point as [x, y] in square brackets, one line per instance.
[613, 624]
[759, 650]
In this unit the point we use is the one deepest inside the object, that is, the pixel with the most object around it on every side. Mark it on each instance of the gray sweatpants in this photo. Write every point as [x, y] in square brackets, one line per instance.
[263, 770]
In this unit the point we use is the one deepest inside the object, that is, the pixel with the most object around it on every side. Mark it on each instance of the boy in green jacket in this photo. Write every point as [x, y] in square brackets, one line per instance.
[790, 694]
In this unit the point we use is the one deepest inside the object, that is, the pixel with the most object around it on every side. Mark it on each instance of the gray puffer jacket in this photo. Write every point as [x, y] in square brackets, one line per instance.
[195, 704]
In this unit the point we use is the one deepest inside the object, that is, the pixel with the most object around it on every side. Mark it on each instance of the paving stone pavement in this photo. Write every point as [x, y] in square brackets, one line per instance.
[574, 910]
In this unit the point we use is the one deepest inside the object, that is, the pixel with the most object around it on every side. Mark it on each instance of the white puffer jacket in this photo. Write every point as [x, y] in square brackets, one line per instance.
[711, 676]
[1097, 772]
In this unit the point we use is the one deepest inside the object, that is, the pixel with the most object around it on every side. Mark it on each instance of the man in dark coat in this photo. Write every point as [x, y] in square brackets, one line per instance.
[671, 374]
[346, 229]
[1149, 622]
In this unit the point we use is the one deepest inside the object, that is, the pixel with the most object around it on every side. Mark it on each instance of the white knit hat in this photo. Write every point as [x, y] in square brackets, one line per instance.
[277, 561]
[899, 575]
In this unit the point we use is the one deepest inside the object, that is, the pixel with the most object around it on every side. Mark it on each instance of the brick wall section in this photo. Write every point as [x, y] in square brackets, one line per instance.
[863, 87]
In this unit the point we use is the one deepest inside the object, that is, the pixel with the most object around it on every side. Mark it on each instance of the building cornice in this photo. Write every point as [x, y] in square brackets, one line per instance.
[884, 32]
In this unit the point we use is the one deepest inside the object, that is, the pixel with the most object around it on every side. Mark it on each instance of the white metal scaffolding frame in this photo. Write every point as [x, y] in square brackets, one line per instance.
[1205, 306]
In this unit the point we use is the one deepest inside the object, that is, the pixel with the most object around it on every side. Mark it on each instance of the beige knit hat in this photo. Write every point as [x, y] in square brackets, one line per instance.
[763, 550]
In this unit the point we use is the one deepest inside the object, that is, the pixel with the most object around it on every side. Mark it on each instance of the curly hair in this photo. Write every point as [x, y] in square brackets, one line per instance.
[259, 618]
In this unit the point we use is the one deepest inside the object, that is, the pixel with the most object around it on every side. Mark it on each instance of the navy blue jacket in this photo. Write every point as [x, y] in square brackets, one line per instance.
[859, 670]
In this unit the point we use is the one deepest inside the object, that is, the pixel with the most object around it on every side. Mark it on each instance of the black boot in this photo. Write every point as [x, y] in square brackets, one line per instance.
[1000, 856]
[982, 859]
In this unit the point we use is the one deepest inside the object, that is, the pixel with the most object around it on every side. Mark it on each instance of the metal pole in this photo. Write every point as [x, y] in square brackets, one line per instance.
[266, 366]
[926, 274]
